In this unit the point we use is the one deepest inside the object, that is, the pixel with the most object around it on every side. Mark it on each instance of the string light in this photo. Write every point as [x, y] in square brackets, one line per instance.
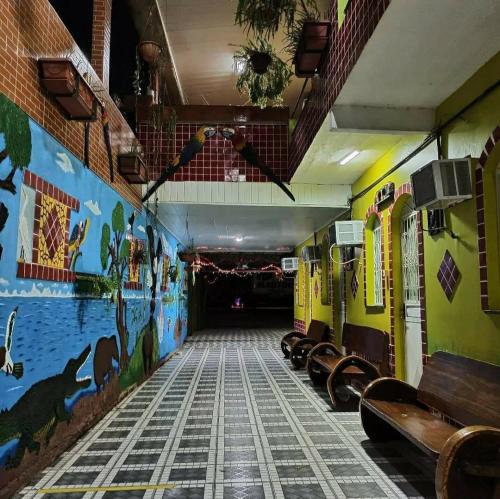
[207, 265]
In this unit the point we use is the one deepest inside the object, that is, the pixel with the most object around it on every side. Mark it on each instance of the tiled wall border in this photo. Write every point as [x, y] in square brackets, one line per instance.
[493, 139]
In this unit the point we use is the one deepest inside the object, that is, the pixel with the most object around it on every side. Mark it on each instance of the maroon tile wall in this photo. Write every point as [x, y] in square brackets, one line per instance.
[218, 155]
[344, 50]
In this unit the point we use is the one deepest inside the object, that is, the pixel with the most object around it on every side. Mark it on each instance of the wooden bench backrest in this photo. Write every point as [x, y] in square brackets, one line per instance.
[369, 343]
[318, 331]
[466, 390]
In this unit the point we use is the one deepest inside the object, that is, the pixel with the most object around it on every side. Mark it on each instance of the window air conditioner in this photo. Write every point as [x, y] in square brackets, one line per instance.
[347, 233]
[290, 264]
[441, 183]
[311, 254]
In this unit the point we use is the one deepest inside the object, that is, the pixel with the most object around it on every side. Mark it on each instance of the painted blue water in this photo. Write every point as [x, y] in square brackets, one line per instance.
[50, 331]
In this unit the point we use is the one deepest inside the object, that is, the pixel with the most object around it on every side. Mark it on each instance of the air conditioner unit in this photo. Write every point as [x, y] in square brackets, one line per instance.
[290, 264]
[347, 233]
[441, 183]
[311, 254]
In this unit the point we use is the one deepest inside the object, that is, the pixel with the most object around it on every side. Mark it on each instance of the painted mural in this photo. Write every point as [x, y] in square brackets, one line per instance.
[92, 294]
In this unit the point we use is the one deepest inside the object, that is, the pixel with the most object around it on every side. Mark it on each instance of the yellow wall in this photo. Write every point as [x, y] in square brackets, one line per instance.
[312, 303]
[459, 326]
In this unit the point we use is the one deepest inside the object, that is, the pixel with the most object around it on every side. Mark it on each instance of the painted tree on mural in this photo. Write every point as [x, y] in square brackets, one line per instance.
[115, 252]
[15, 127]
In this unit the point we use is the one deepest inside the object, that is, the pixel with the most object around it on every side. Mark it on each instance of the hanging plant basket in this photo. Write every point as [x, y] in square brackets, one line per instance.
[260, 62]
[74, 96]
[150, 52]
[132, 168]
[265, 76]
[311, 48]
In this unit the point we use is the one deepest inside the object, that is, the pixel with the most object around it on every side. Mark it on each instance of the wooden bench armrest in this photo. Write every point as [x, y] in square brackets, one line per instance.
[469, 457]
[364, 365]
[390, 389]
[293, 334]
[325, 348]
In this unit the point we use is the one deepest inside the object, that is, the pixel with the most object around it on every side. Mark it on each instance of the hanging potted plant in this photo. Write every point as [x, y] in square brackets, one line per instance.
[131, 165]
[266, 87]
[150, 52]
[264, 17]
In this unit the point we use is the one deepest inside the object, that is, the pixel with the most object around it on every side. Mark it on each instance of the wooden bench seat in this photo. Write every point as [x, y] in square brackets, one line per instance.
[365, 360]
[296, 346]
[453, 416]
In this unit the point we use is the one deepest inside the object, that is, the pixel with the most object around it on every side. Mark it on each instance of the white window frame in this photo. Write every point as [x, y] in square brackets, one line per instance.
[409, 258]
[378, 283]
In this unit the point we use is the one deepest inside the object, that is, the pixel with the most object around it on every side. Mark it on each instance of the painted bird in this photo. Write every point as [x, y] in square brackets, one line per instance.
[247, 151]
[77, 238]
[190, 150]
[6, 364]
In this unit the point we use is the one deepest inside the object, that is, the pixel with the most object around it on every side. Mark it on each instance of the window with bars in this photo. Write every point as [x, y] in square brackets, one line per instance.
[409, 258]
[378, 288]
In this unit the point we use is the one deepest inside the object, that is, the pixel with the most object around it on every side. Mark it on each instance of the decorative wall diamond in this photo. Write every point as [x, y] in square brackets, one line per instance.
[448, 275]
[354, 284]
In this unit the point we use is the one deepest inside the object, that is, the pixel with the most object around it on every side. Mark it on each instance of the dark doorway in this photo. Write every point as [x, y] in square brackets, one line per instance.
[253, 301]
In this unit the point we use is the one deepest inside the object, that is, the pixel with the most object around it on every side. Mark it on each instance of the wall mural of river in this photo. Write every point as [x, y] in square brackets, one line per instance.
[92, 296]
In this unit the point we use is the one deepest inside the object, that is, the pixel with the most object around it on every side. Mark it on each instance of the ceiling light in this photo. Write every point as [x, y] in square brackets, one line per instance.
[349, 157]
[239, 239]
[239, 65]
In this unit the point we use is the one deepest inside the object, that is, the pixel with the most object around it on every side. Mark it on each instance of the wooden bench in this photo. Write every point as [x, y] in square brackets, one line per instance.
[366, 359]
[296, 346]
[453, 416]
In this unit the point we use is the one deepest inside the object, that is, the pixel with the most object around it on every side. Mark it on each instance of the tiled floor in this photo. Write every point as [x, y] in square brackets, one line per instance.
[228, 418]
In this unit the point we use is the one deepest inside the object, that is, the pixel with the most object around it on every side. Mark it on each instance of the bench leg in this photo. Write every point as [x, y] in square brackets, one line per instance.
[339, 379]
[300, 351]
[318, 377]
[469, 464]
[285, 350]
[376, 429]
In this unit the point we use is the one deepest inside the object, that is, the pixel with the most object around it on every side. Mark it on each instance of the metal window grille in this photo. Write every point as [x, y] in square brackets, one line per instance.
[409, 259]
[377, 264]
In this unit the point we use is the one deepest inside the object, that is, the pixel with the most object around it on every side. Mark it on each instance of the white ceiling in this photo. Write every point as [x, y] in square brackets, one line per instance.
[422, 51]
[321, 163]
[269, 228]
[200, 35]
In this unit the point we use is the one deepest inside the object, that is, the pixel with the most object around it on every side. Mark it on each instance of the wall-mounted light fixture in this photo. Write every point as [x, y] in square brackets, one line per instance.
[349, 157]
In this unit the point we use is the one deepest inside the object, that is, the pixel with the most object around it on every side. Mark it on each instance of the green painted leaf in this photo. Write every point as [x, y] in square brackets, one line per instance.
[125, 250]
[118, 218]
[105, 238]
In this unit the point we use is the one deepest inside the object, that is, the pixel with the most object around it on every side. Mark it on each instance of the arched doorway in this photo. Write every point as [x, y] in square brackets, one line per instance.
[407, 333]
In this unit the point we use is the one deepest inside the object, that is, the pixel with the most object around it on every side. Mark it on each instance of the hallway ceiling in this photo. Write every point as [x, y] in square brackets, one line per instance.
[200, 35]
[244, 228]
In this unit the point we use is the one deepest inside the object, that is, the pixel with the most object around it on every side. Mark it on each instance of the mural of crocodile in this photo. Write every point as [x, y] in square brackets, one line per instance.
[37, 413]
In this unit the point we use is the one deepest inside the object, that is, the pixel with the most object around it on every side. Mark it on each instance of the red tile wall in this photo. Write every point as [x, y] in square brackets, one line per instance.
[32, 29]
[269, 140]
[344, 50]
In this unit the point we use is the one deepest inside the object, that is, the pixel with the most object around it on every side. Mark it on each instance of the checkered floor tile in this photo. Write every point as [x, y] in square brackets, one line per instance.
[229, 418]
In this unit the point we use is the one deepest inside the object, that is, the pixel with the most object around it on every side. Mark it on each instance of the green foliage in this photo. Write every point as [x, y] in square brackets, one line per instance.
[118, 218]
[294, 29]
[264, 17]
[134, 372]
[263, 89]
[95, 286]
[105, 240]
[124, 251]
[14, 124]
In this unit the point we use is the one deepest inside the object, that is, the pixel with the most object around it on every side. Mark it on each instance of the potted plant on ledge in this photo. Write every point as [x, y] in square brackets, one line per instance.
[264, 76]
[131, 165]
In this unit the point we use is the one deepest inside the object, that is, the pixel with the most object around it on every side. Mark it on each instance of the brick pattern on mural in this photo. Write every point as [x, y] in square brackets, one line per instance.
[52, 214]
[346, 45]
[218, 161]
